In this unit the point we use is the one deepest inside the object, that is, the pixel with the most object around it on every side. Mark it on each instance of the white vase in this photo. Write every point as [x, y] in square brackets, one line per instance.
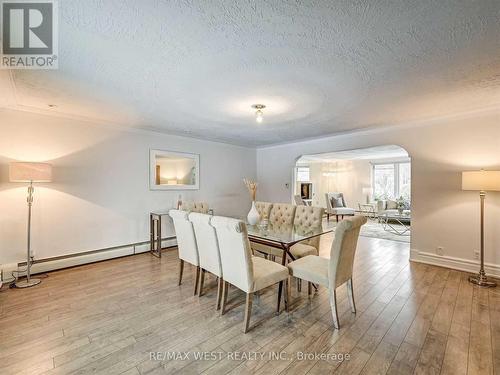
[253, 216]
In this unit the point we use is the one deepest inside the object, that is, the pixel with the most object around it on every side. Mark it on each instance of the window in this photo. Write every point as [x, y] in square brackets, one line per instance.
[392, 180]
[303, 174]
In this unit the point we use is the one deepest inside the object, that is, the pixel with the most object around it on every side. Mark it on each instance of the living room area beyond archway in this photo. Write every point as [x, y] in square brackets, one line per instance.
[374, 182]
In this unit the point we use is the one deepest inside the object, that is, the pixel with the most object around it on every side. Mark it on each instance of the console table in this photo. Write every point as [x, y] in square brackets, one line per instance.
[155, 232]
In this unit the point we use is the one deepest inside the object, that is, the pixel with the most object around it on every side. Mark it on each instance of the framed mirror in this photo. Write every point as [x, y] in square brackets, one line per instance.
[170, 170]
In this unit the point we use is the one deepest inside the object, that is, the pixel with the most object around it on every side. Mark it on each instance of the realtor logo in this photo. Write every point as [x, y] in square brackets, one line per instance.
[29, 34]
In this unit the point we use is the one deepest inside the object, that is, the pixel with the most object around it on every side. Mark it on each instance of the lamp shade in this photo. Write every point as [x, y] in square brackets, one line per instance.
[367, 191]
[30, 172]
[481, 180]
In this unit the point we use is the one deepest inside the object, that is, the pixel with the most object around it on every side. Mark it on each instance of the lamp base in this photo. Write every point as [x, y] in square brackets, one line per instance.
[482, 281]
[25, 284]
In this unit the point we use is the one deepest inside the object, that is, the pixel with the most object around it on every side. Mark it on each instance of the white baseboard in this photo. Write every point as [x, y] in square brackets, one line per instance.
[460, 264]
[71, 260]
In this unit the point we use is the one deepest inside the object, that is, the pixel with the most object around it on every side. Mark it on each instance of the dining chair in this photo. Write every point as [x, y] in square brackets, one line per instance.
[307, 219]
[337, 270]
[190, 206]
[242, 270]
[186, 243]
[281, 216]
[298, 200]
[208, 251]
[264, 209]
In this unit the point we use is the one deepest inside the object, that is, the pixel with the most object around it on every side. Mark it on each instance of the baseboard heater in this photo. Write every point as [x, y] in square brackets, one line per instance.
[85, 257]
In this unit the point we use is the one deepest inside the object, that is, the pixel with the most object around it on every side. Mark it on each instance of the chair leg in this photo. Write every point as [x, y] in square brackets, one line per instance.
[337, 218]
[248, 312]
[196, 279]
[299, 285]
[202, 281]
[181, 270]
[327, 218]
[309, 289]
[287, 294]
[224, 297]
[219, 292]
[333, 305]
[350, 292]
[280, 288]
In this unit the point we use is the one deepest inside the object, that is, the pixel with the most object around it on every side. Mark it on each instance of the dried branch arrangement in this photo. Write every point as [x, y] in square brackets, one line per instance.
[252, 187]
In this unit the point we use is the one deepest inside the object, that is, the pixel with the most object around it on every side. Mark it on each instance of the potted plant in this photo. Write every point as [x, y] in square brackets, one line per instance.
[401, 204]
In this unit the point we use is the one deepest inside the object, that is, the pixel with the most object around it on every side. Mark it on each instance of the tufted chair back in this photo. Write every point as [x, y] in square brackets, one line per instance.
[343, 250]
[206, 239]
[186, 241]
[308, 218]
[264, 209]
[189, 206]
[235, 252]
[282, 214]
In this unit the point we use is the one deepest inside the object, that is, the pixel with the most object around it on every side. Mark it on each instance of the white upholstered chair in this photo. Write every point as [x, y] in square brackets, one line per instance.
[264, 209]
[336, 205]
[189, 206]
[280, 215]
[307, 218]
[208, 250]
[186, 243]
[241, 269]
[337, 270]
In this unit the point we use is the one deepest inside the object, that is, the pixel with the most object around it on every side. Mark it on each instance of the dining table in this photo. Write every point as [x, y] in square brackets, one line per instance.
[283, 237]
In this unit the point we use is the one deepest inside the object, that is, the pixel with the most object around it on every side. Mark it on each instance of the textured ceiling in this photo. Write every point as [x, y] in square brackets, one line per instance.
[321, 67]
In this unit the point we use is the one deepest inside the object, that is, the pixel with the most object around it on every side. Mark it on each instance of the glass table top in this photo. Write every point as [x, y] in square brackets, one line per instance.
[286, 234]
[406, 215]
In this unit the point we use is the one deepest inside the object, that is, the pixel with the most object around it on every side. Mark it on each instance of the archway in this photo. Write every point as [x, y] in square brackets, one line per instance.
[374, 182]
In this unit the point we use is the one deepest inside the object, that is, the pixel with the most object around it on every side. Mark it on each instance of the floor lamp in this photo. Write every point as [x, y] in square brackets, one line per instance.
[481, 181]
[30, 173]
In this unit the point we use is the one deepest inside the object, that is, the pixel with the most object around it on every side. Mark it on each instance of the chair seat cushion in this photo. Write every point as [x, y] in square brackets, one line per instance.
[267, 249]
[343, 211]
[301, 250]
[266, 273]
[310, 268]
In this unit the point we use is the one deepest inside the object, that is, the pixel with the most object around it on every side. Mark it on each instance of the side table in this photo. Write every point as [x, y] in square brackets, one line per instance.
[155, 239]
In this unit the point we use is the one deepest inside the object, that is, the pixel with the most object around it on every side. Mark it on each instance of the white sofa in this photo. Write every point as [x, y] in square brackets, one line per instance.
[387, 206]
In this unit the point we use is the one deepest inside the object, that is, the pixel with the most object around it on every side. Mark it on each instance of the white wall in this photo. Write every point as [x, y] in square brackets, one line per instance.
[350, 177]
[442, 214]
[100, 196]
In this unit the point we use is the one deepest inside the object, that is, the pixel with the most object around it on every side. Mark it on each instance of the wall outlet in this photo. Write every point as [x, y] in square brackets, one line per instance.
[440, 250]
[476, 254]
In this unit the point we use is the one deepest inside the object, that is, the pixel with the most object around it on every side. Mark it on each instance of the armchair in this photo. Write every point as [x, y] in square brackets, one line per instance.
[336, 205]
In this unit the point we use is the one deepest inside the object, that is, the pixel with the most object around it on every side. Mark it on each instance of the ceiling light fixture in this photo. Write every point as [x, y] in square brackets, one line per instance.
[259, 115]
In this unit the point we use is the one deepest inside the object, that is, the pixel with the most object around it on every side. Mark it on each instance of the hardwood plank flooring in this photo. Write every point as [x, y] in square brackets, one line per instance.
[113, 317]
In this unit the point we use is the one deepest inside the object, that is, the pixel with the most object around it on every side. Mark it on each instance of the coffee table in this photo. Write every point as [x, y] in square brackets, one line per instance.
[404, 220]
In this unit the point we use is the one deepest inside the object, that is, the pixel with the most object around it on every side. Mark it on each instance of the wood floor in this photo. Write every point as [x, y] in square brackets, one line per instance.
[108, 317]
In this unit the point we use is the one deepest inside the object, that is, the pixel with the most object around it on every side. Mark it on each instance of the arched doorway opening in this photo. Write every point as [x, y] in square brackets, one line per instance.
[374, 181]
